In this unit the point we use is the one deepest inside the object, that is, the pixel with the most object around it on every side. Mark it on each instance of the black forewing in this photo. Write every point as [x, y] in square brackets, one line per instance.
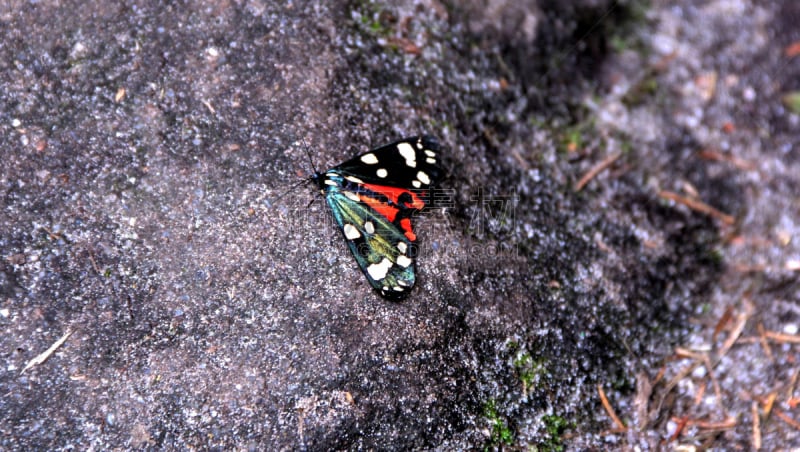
[396, 164]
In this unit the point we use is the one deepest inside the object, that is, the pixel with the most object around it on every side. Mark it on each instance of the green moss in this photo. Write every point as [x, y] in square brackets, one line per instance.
[715, 257]
[623, 25]
[792, 101]
[528, 369]
[439, 126]
[375, 19]
[626, 146]
[555, 427]
[642, 91]
[501, 433]
[572, 140]
[618, 43]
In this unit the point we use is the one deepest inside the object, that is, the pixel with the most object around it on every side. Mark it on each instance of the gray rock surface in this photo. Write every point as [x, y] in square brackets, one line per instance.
[151, 157]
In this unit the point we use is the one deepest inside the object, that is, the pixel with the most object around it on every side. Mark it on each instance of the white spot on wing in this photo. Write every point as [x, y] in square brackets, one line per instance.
[330, 182]
[352, 196]
[416, 183]
[408, 153]
[403, 261]
[369, 159]
[430, 153]
[354, 179]
[378, 271]
[350, 232]
[382, 173]
[402, 247]
[423, 178]
[431, 160]
[369, 227]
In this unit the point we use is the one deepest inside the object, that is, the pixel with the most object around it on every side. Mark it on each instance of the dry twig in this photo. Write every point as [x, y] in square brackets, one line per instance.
[698, 206]
[735, 161]
[782, 337]
[792, 384]
[42, 357]
[726, 317]
[609, 409]
[727, 424]
[785, 418]
[764, 343]
[597, 169]
[756, 425]
[681, 424]
[769, 403]
[735, 333]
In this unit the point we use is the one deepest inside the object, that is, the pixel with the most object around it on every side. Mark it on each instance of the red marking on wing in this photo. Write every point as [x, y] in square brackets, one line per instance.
[394, 193]
[381, 207]
[405, 223]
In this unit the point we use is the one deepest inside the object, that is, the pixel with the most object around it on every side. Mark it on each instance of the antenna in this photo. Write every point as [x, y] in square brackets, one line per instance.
[308, 153]
[305, 181]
